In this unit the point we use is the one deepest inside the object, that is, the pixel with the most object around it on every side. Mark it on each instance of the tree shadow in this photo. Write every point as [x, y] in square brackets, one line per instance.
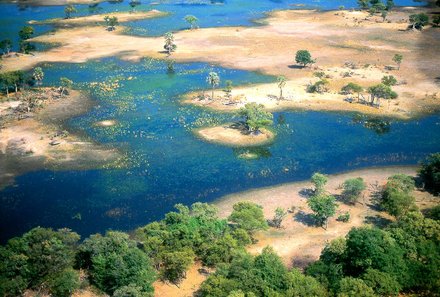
[295, 66]
[377, 221]
[306, 192]
[304, 218]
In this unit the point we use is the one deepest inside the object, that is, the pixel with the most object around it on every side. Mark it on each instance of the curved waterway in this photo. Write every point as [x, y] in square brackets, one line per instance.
[165, 163]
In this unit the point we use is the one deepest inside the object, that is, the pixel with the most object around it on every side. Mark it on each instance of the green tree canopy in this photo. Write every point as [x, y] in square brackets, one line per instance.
[319, 180]
[192, 21]
[255, 116]
[169, 45]
[68, 10]
[418, 21]
[352, 189]
[303, 57]
[248, 216]
[430, 173]
[324, 207]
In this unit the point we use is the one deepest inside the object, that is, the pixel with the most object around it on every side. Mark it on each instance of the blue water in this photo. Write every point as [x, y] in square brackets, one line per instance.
[164, 162]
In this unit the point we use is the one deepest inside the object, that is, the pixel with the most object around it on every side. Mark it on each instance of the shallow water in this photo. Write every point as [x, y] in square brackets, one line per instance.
[166, 164]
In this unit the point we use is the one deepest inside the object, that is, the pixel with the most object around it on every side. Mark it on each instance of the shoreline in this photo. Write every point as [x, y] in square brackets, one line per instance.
[229, 135]
[41, 140]
[299, 241]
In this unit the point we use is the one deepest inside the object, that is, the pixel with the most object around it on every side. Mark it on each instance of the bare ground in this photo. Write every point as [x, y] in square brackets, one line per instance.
[232, 136]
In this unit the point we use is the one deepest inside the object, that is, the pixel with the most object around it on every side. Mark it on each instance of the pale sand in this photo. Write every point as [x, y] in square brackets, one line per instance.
[228, 135]
[99, 18]
[25, 145]
[332, 37]
[302, 243]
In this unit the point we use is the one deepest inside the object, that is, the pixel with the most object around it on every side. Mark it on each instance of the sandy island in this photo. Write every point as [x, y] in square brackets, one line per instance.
[51, 2]
[230, 135]
[333, 38]
[40, 141]
[98, 19]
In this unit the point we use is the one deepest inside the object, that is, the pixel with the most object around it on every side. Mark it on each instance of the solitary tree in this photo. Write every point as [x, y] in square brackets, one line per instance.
[352, 88]
[304, 58]
[111, 22]
[38, 75]
[381, 91]
[436, 20]
[228, 89]
[278, 218]
[213, 80]
[430, 173]
[398, 60]
[389, 80]
[65, 84]
[24, 34]
[255, 116]
[192, 21]
[324, 207]
[169, 46]
[319, 180]
[281, 84]
[418, 21]
[353, 188]
[68, 10]
[6, 46]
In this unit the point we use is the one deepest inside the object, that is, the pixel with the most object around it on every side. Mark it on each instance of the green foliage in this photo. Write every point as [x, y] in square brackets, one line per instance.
[213, 80]
[303, 57]
[34, 258]
[418, 21]
[434, 213]
[351, 88]
[228, 89]
[396, 196]
[12, 79]
[345, 217]
[220, 251]
[111, 22]
[318, 87]
[248, 216]
[430, 173]
[255, 116]
[381, 91]
[353, 287]
[169, 45]
[281, 80]
[6, 45]
[398, 58]
[352, 189]
[192, 20]
[436, 20]
[38, 75]
[65, 84]
[68, 10]
[64, 283]
[175, 264]
[130, 291]
[115, 261]
[382, 283]
[389, 80]
[24, 34]
[319, 180]
[278, 218]
[333, 252]
[324, 207]
[300, 285]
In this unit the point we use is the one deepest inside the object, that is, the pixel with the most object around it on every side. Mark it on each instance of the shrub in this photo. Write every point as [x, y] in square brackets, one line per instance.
[353, 188]
[430, 173]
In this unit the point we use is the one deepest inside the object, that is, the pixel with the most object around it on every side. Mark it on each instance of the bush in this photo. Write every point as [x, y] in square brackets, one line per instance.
[396, 197]
[353, 287]
[248, 216]
[65, 283]
[353, 188]
[319, 180]
[430, 173]
[345, 217]
[382, 283]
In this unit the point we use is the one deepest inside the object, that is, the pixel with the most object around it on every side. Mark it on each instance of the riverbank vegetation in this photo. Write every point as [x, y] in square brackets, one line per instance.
[401, 257]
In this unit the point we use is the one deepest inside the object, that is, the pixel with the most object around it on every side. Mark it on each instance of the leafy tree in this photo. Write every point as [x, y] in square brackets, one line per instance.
[114, 261]
[68, 10]
[281, 80]
[11, 79]
[169, 46]
[396, 202]
[324, 207]
[363, 4]
[218, 251]
[111, 22]
[318, 87]
[192, 21]
[402, 182]
[351, 88]
[175, 264]
[255, 116]
[436, 20]
[65, 283]
[38, 75]
[65, 84]
[304, 58]
[434, 213]
[352, 189]
[397, 58]
[390, 4]
[248, 216]
[24, 34]
[228, 89]
[130, 290]
[418, 21]
[213, 80]
[382, 283]
[384, 15]
[430, 173]
[6, 45]
[389, 80]
[381, 91]
[334, 251]
[280, 214]
[300, 285]
[354, 287]
[319, 180]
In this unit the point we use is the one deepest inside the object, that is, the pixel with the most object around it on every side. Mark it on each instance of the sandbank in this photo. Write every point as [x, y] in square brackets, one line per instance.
[40, 141]
[299, 242]
[231, 135]
[98, 19]
[51, 2]
[333, 38]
